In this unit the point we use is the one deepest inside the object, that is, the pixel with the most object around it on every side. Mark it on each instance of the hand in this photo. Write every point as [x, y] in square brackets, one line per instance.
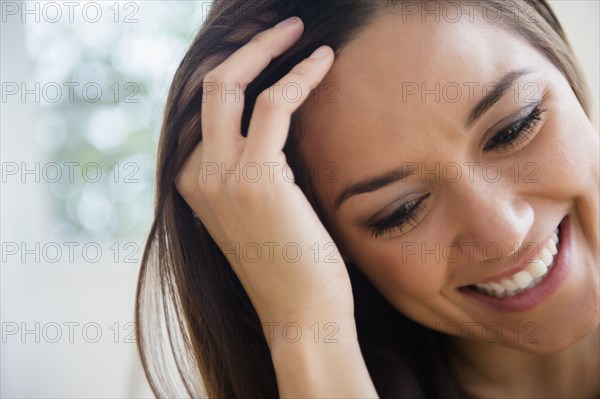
[261, 222]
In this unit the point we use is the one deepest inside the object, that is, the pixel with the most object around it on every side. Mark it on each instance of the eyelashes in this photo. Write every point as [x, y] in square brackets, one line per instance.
[516, 133]
[407, 215]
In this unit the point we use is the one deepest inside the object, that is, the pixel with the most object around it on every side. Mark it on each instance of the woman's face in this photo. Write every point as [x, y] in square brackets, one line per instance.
[436, 189]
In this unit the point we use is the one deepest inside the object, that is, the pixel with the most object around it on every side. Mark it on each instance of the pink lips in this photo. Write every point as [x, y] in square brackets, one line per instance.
[526, 259]
[532, 297]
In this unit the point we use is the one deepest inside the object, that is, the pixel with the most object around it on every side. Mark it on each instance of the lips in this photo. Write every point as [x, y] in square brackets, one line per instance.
[523, 299]
[525, 279]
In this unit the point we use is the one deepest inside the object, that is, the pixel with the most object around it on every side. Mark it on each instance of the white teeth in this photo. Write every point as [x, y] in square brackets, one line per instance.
[487, 287]
[509, 285]
[497, 288]
[537, 269]
[525, 279]
[546, 257]
[551, 246]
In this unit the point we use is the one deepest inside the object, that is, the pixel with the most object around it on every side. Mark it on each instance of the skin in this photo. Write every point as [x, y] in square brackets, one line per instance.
[250, 213]
[364, 133]
[371, 130]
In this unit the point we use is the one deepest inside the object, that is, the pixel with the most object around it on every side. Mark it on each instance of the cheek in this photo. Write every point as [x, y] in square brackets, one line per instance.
[403, 270]
[563, 159]
[574, 169]
[568, 169]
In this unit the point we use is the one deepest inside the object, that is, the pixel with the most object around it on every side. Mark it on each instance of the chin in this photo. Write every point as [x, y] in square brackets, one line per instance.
[558, 339]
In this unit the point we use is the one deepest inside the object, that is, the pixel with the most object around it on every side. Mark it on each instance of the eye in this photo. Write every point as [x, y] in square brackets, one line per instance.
[516, 133]
[406, 215]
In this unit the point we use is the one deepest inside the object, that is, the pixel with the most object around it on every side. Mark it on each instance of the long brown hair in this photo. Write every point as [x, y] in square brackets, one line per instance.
[196, 328]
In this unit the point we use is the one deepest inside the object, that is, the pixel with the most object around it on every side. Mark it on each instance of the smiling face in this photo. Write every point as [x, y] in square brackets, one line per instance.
[448, 202]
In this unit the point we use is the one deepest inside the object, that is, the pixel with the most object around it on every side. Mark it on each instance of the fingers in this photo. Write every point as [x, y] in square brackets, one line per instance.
[201, 181]
[270, 119]
[224, 103]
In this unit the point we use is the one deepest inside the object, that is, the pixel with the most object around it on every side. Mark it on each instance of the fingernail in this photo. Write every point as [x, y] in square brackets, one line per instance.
[287, 22]
[320, 52]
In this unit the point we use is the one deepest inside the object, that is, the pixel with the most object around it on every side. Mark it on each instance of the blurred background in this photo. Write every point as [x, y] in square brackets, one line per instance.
[83, 89]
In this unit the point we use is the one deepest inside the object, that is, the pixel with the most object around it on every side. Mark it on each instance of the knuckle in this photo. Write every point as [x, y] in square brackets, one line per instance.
[266, 99]
[299, 73]
[260, 40]
[276, 101]
[192, 186]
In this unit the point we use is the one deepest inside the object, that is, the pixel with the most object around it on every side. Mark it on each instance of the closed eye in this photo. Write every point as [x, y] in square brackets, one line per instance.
[515, 133]
[405, 216]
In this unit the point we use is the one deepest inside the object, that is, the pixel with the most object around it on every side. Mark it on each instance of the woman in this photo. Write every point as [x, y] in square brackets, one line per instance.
[423, 222]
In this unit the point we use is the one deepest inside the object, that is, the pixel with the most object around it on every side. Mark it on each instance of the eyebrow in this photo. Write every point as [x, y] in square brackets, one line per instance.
[495, 95]
[371, 184]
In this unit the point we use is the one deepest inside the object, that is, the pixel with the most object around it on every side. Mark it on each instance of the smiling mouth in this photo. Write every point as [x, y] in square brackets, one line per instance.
[522, 281]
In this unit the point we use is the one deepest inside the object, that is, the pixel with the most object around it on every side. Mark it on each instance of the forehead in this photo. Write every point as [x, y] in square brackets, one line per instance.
[393, 91]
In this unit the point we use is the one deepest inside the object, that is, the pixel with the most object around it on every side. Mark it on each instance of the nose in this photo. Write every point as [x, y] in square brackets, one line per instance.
[493, 220]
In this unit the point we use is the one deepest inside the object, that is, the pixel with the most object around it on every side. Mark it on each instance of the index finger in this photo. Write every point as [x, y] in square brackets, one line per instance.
[222, 112]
